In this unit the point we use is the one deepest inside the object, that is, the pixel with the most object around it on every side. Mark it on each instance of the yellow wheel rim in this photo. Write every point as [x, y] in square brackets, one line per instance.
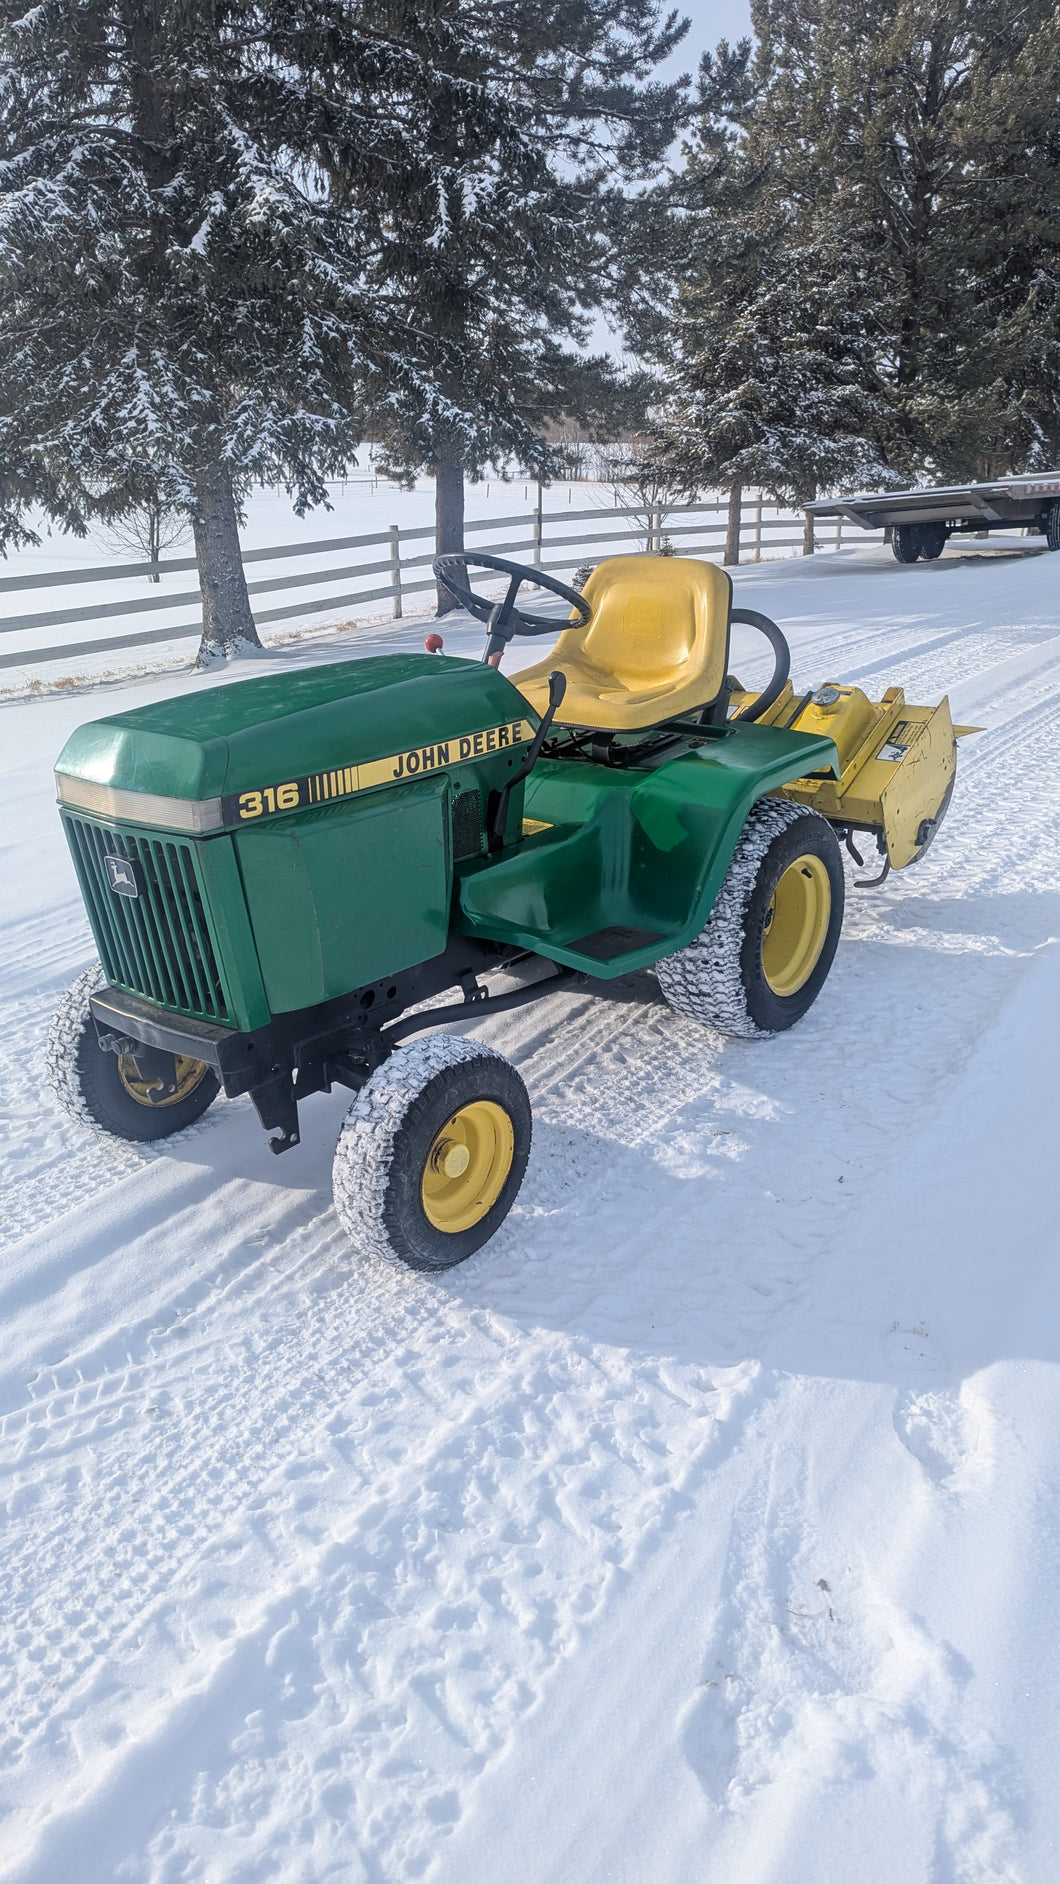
[467, 1166]
[190, 1073]
[796, 925]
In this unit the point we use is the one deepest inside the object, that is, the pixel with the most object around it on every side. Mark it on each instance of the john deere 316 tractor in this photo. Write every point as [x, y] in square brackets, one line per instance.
[281, 872]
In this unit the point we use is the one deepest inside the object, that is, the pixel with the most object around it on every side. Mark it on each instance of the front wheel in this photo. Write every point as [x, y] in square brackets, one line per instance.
[107, 1090]
[1052, 527]
[765, 953]
[432, 1153]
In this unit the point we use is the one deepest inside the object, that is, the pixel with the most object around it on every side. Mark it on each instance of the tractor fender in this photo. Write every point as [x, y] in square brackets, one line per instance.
[688, 817]
[618, 868]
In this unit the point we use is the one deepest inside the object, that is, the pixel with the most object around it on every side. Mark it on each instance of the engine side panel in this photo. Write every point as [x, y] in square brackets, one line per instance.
[345, 894]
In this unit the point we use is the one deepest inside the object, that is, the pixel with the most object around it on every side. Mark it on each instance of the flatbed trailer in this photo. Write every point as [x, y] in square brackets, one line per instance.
[921, 521]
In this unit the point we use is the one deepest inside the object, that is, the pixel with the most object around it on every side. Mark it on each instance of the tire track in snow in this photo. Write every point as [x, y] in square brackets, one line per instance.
[1015, 734]
[50, 1165]
[569, 1445]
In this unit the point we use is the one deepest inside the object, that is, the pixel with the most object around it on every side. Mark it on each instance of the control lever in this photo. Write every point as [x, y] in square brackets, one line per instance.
[557, 687]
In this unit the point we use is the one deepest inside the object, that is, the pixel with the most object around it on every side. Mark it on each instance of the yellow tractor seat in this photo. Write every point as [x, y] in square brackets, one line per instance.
[657, 645]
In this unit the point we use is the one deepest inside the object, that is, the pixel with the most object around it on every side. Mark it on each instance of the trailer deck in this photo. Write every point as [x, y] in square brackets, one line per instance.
[921, 520]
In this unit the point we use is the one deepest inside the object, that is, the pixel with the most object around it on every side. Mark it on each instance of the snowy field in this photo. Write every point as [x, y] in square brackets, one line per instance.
[702, 1529]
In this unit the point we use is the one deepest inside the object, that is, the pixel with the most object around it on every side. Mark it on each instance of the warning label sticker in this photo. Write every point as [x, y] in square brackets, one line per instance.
[895, 748]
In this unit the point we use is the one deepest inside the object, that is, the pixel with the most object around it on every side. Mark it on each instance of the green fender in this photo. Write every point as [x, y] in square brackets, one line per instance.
[623, 866]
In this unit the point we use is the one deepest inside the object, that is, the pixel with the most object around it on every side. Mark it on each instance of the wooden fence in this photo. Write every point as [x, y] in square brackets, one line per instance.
[554, 540]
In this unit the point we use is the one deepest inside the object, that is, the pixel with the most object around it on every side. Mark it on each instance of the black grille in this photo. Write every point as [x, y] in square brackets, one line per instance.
[157, 943]
[467, 824]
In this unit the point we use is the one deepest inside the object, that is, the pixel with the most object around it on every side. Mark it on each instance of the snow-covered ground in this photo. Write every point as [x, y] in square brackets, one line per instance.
[319, 584]
[703, 1527]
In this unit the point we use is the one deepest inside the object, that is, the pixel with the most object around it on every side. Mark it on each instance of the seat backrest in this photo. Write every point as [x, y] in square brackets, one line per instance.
[658, 621]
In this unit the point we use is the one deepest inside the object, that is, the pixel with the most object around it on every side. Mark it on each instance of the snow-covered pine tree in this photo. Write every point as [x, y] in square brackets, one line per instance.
[539, 117]
[181, 296]
[922, 134]
[1010, 136]
[919, 118]
[764, 331]
[863, 247]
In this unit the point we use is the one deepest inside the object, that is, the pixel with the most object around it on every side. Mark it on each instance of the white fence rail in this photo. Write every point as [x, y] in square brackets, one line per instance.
[550, 540]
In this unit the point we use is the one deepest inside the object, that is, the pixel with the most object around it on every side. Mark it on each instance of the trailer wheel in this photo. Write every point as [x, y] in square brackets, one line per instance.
[432, 1153]
[765, 953]
[1052, 527]
[105, 1090]
[932, 540]
[905, 542]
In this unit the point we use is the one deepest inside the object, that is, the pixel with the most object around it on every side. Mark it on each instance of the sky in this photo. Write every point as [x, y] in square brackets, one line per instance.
[711, 20]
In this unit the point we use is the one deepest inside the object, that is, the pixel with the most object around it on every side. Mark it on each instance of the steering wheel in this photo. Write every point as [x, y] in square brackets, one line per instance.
[503, 618]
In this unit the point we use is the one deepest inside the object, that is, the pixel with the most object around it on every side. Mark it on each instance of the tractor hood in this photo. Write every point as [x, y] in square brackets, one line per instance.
[289, 740]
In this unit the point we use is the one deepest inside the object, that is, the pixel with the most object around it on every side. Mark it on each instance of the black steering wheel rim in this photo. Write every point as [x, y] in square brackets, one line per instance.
[774, 687]
[503, 618]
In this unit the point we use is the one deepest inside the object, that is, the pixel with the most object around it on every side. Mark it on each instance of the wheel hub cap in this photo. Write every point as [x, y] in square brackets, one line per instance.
[189, 1075]
[796, 925]
[467, 1166]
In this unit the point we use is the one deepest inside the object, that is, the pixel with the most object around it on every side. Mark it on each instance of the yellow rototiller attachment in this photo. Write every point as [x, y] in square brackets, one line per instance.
[897, 765]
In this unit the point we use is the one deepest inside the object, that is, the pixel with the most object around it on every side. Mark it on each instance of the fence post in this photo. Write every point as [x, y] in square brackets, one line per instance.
[839, 533]
[535, 530]
[395, 570]
[732, 530]
[758, 527]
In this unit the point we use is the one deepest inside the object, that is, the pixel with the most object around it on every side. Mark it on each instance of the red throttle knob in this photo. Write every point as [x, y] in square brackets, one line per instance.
[433, 644]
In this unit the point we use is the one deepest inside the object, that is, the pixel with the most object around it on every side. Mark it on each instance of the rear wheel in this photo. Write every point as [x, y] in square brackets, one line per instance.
[107, 1090]
[905, 542]
[764, 955]
[932, 540]
[432, 1153]
[1052, 527]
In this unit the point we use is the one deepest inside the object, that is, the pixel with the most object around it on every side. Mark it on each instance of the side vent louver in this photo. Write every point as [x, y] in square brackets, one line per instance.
[467, 824]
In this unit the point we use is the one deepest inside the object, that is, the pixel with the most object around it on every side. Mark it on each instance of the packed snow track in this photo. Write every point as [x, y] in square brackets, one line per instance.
[701, 1527]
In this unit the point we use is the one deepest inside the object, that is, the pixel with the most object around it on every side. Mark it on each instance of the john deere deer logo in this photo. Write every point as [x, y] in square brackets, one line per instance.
[121, 875]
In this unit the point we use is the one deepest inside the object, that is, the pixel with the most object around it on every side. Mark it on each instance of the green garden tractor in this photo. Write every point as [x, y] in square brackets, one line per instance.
[291, 877]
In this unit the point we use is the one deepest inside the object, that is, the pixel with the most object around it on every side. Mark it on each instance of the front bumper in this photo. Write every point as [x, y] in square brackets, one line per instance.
[238, 1059]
